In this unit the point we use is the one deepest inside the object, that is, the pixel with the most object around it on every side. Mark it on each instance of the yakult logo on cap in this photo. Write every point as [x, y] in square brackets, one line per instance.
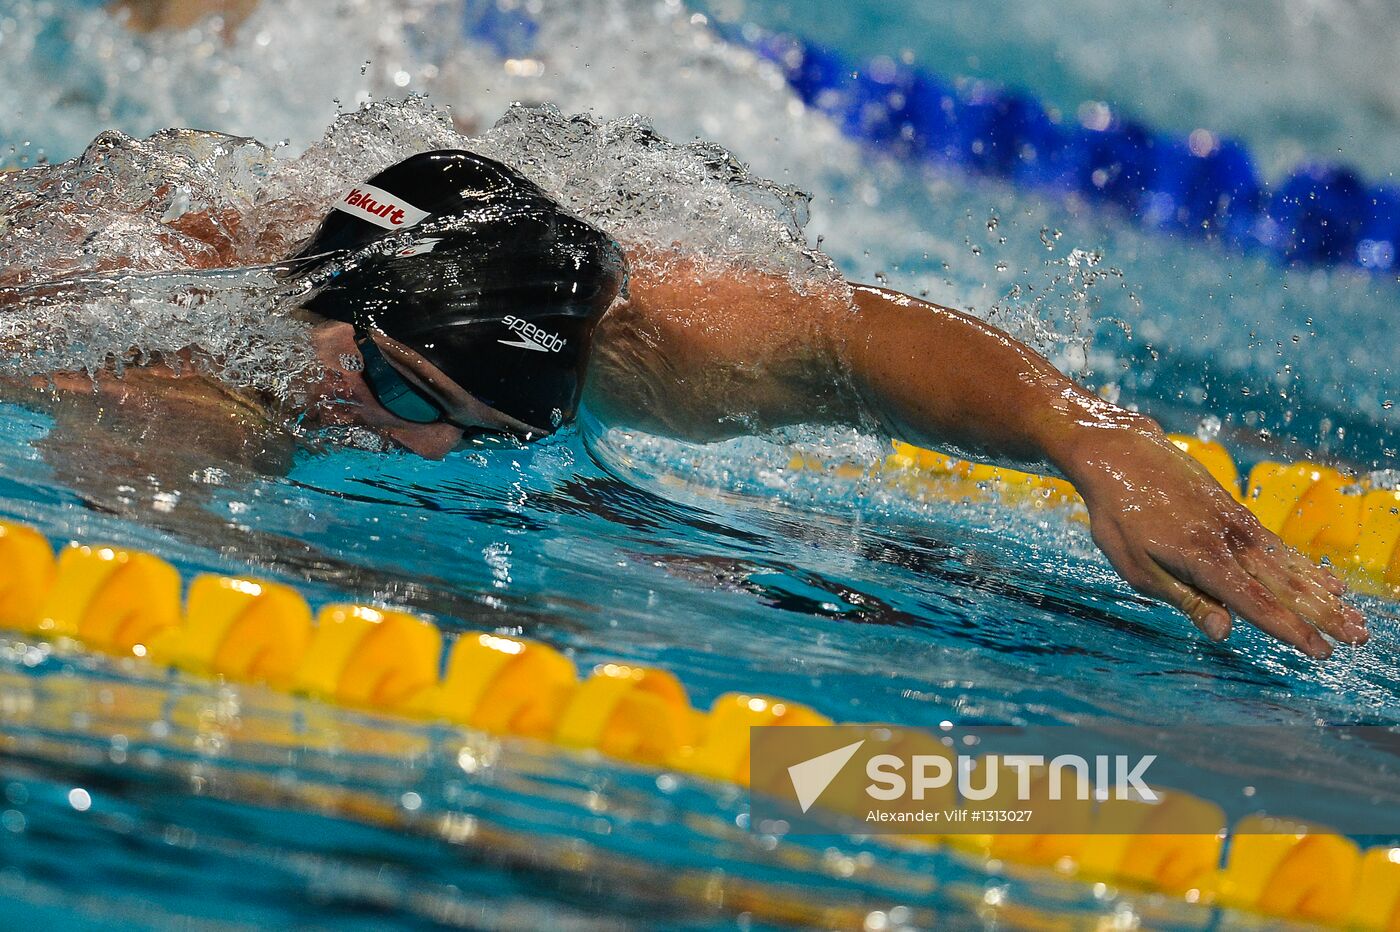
[380, 208]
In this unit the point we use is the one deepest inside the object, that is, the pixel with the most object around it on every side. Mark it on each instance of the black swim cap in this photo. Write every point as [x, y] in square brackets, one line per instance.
[472, 265]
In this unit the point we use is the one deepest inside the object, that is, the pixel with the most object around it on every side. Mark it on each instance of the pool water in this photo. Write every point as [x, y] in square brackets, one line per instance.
[855, 597]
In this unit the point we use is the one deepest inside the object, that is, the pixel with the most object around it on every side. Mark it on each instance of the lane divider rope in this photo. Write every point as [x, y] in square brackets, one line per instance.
[1199, 184]
[128, 603]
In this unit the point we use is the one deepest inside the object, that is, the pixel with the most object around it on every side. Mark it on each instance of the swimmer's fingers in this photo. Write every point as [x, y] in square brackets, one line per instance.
[1208, 615]
[1318, 578]
[1300, 586]
[1309, 591]
[1148, 577]
[1326, 578]
[1223, 578]
[1176, 534]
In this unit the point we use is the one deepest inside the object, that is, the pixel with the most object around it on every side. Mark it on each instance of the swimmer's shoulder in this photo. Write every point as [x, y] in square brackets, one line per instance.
[684, 303]
[701, 349]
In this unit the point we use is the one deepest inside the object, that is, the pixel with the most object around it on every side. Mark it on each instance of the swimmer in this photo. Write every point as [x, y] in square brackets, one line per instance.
[451, 296]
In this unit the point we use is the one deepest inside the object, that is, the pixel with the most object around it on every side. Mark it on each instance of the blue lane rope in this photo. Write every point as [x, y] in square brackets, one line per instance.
[1200, 185]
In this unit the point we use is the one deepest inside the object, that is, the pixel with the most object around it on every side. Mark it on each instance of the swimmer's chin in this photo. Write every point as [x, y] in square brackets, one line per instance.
[430, 441]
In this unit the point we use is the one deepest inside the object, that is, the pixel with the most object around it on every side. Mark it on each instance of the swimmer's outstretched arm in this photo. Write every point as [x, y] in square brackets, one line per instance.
[931, 375]
[703, 358]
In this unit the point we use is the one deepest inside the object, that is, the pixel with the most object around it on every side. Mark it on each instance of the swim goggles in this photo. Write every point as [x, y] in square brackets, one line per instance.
[407, 401]
[393, 390]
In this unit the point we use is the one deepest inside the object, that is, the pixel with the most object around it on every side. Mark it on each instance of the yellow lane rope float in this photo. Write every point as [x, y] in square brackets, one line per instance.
[128, 603]
[1352, 521]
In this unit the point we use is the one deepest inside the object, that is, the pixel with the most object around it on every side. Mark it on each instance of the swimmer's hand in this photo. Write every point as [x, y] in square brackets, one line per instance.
[1173, 533]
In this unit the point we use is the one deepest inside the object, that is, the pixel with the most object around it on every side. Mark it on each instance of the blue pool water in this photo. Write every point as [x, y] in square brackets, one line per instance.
[852, 596]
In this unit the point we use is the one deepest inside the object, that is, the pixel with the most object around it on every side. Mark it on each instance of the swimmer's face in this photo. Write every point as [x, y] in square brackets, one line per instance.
[345, 397]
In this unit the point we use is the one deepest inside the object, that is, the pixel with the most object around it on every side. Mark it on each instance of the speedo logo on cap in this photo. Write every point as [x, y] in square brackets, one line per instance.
[532, 337]
[380, 208]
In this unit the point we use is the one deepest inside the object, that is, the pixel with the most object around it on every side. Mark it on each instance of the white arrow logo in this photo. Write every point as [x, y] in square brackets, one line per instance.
[524, 343]
[811, 777]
